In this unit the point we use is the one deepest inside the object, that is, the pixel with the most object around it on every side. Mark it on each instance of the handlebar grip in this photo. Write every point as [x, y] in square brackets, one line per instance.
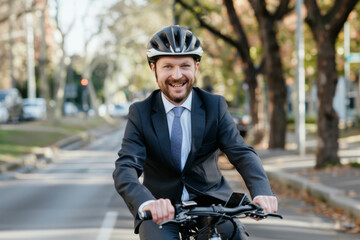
[146, 215]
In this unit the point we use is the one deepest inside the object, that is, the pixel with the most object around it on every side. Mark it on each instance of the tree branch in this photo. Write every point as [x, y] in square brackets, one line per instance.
[205, 25]
[19, 14]
[243, 48]
[283, 9]
[338, 14]
[313, 13]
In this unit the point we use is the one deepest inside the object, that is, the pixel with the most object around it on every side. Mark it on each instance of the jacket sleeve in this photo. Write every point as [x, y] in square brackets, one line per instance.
[129, 165]
[242, 156]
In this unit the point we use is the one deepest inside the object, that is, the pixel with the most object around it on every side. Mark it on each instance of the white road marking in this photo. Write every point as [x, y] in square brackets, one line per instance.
[107, 226]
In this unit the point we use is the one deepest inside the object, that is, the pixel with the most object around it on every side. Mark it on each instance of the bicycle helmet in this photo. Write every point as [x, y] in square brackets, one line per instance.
[173, 41]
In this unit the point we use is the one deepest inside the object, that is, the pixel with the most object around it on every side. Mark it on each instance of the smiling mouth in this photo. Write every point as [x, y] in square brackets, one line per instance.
[177, 85]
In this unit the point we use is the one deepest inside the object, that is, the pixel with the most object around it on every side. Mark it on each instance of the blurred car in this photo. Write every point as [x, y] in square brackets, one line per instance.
[70, 109]
[119, 110]
[13, 101]
[102, 109]
[34, 109]
[242, 123]
[4, 114]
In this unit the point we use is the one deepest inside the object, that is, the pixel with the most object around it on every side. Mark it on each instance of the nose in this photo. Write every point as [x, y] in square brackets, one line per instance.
[176, 74]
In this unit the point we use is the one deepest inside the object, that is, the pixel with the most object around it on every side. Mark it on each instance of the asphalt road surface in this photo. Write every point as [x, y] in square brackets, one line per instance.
[74, 198]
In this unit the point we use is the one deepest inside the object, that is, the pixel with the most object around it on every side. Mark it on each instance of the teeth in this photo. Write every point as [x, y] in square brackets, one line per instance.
[178, 85]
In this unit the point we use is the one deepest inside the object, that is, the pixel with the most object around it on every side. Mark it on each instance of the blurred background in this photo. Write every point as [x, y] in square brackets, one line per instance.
[281, 65]
[252, 57]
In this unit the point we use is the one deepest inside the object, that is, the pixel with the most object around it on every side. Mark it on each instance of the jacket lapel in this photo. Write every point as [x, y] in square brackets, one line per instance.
[159, 122]
[197, 128]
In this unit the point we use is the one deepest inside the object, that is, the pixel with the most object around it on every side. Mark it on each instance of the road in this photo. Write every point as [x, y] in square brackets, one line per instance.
[74, 198]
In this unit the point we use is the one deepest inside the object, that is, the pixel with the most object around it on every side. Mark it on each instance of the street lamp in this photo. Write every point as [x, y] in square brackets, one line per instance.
[300, 82]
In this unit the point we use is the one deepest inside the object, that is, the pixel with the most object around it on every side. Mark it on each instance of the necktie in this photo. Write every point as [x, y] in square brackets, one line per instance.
[176, 137]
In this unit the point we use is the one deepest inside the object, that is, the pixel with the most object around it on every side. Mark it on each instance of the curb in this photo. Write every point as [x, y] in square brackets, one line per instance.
[334, 197]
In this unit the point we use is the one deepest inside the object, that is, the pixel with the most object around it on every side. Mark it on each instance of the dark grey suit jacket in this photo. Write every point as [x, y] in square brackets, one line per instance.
[146, 149]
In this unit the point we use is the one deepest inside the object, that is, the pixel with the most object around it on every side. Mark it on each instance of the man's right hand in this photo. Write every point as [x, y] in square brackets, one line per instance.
[161, 210]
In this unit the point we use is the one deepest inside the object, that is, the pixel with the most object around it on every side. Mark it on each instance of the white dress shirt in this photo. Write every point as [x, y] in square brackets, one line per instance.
[185, 121]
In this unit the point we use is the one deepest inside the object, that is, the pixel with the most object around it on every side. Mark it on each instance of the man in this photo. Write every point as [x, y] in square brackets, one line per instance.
[173, 137]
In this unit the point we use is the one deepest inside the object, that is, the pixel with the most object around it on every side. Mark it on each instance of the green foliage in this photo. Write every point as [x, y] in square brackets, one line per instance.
[355, 164]
[308, 120]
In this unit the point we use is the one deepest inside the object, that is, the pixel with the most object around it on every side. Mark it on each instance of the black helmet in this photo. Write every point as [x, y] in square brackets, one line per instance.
[174, 41]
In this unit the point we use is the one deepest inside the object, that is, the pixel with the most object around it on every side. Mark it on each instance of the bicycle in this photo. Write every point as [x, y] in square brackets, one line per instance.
[187, 213]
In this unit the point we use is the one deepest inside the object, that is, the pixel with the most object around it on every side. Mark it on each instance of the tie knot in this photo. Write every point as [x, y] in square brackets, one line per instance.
[178, 111]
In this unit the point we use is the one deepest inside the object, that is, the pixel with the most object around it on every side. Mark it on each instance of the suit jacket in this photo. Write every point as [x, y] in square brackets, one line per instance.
[146, 149]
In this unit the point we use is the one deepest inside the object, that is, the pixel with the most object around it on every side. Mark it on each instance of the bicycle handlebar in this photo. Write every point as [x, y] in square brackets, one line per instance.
[186, 213]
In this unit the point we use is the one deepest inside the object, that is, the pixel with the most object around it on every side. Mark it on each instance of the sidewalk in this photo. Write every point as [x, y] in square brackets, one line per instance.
[339, 187]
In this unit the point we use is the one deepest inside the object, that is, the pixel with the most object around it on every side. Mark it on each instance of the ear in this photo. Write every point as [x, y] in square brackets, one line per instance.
[197, 64]
[152, 66]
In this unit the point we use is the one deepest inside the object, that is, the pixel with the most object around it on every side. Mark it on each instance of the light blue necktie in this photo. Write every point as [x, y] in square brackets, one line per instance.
[176, 137]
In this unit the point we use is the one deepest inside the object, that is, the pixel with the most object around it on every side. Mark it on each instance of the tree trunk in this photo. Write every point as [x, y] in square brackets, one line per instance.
[43, 80]
[250, 73]
[60, 89]
[276, 83]
[325, 28]
[328, 119]
[11, 42]
[254, 102]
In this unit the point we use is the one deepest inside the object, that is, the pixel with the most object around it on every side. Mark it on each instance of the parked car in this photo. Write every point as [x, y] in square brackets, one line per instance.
[4, 114]
[13, 101]
[34, 109]
[242, 123]
[119, 110]
[70, 109]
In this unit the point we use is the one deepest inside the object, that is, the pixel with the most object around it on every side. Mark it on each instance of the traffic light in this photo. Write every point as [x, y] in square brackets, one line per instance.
[84, 82]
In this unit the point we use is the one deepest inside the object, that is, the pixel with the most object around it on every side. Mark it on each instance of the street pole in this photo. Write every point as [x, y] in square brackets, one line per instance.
[30, 52]
[300, 82]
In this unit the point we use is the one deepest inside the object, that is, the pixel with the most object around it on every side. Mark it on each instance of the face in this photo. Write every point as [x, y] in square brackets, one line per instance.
[175, 77]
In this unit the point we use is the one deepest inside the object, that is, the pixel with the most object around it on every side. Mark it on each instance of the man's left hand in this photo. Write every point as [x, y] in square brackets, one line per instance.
[268, 203]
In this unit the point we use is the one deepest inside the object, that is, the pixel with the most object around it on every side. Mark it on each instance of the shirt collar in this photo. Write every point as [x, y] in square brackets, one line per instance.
[169, 106]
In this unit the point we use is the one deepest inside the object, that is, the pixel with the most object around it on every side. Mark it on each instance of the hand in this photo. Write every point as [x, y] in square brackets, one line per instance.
[161, 210]
[268, 203]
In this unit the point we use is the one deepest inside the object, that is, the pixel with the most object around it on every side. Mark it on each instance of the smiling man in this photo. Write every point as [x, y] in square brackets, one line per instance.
[173, 138]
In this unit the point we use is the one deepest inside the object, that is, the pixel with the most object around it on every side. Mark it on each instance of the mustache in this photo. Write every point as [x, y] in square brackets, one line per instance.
[182, 80]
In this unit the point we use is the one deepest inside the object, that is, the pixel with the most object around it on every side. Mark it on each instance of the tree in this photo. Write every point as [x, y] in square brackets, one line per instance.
[243, 49]
[273, 67]
[60, 74]
[271, 61]
[88, 64]
[325, 27]
[12, 57]
[43, 60]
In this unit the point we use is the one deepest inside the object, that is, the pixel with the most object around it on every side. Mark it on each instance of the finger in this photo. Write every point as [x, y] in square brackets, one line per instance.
[170, 210]
[165, 210]
[274, 205]
[160, 204]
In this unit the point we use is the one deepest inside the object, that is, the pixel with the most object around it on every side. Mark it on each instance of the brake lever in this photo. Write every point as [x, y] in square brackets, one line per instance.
[169, 221]
[274, 215]
[262, 215]
[182, 217]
